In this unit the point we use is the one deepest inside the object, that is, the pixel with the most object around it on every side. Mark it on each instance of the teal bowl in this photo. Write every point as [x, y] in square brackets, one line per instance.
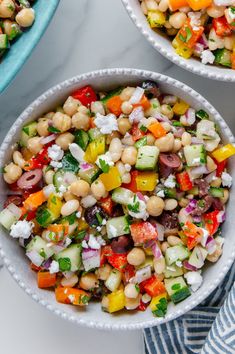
[14, 59]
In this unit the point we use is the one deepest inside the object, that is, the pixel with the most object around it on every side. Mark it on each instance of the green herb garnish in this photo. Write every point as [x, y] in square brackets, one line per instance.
[104, 166]
[161, 308]
[176, 286]
[64, 264]
[53, 130]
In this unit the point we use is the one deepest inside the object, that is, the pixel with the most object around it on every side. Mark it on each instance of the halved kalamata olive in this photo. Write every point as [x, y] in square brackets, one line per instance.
[121, 244]
[13, 199]
[169, 220]
[170, 160]
[203, 186]
[165, 171]
[117, 211]
[151, 89]
[203, 205]
[94, 215]
[217, 204]
[29, 179]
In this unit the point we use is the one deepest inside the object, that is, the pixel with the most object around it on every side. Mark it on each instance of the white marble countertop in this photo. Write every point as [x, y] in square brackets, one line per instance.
[84, 35]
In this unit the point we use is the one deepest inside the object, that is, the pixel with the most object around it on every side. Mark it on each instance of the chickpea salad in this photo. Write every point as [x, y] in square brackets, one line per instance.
[119, 197]
[15, 17]
[200, 28]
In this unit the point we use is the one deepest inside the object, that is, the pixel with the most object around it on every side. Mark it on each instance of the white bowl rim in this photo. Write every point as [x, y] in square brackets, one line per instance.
[208, 72]
[18, 123]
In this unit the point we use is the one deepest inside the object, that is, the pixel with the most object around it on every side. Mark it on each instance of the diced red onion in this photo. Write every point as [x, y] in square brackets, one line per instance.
[198, 171]
[190, 116]
[47, 263]
[35, 258]
[77, 152]
[136, 115]
[199, 255]
[191, 206]
[197, 218]
[141, 275]
[221, 216]
[57, 248]
[188, 266]
[209, 178]
[140, 196]
[198, 49]
[179, 132]
[86, 238]
[47, 139]
[203, 41]
[160, 231]
[14, 210]
[196, 140]
[90, 258]
[148, 244]
[210, 245]
[84, 166]
[137, 95]
[29, 179]
[156, 251]
[161, 117]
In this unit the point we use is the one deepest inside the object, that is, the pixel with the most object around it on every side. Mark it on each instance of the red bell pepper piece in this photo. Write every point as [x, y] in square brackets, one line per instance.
[136, 132]
[153, 286]
[129, 273]
[142, 232]
[118, 261]
[132, 186]
[220, 167]
[184, 181]
[86, 95]
[107, 205]
[105, 252]
[221, 26]
[211, 222]
[193, 233]
[142, 306]
[39, 160]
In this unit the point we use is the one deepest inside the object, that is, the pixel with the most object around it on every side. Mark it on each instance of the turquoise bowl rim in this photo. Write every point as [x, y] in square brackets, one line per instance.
[24, 45]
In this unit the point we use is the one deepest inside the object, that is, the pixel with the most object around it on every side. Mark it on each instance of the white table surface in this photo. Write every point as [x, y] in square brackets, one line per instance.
[84, 35]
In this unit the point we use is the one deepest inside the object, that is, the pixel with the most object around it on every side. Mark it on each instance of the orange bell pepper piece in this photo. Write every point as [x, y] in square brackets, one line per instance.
[193, 234]
[189, 36]
[46, 280]
[153, 286]
[114, 105]
[233, 60]
[66, 295]
[58, 228]
[92, 122]
[176, 4]
[34, 200]
[157, 130]
[144, 103]
[199, 4]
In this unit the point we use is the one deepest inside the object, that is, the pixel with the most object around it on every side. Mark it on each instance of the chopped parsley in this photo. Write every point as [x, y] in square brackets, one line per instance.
[42, 253]
[143, 128]
[201, 203]
[53, 200]
[64, 264]
[137, 288]
[176, 286]
[81, 235]
[135, 206]
[161, 308]
[71, 218]
[188, 35]
[99, 218]
[232, 10]
[53, 130]
[177, 124]
[26, 130]
[104, 166]
[84, 299]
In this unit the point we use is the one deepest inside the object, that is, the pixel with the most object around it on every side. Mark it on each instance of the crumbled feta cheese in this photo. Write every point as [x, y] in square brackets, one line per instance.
[106, 158]
[77, 152]
[92, 243]
[54, 267]
[49, 189]
[71, 298]
[194, 279]
[98, 228]
[161, 193]
[179, 264]
[113, 230]
[21, 229]
[224, 2]
[84, 244]
[204, 237]
[140, 206]
[106, 124]
[104, 222]
[136, 115]
[67, 241]
[170, 182]
[56, 164]
[146, 298]
[127, 167]
[226, 179]
[207, 57]
[88, 201]
[195, 19]
[137, 95]
[78, 214]
[196, 160]
[55, 152]
[62, 189]
[101, 241]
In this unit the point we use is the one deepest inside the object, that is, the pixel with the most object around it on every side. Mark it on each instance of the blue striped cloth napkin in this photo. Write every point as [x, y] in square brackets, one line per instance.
[207, 329]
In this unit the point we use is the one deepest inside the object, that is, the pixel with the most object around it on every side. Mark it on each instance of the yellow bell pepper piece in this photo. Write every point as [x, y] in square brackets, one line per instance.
[146, 181]
[156, 18]
[111, 179]
[94, 149]
[199, 4]
[54, 204]
[82, 225]
[155, 301]
[180, 107]
[181, 49]
[116, 301]
[224, 152]
[148, 260]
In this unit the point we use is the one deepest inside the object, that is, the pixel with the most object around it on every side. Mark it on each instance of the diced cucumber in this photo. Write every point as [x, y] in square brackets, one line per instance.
[147, 158]
[141, 142]
[70, 163]
[40, 246]
[177, 289]
[14, 32]
[90, 175]
[216, 192]
[4, 43]
[176, 253]
[223, 57]
[195, 155]
[122, 196]
[173, 271]
[114, 280]
[27, 132]
[117, 226]
[45, 217]
[70, 258]
[81, 138]
[8, 218]
[63, 179]
[94, 133]
[201, 114]
[198, 257]
[112, 93]
[170, 192]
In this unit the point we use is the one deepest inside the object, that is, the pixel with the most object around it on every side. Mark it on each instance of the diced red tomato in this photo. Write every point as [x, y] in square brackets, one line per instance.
[39, 160]
[129, 273]
[46, 280]
[86, 95]
[107, 205]
[118, 261]
[105, 252]
[221, 26]
[136, 132]
[142, 232]
[132, 186]
[193, 233]
[35, 268]
[211, 222]
[142, 306]
[28, 214]
[153, 286]
[220, 167]
[184, 181]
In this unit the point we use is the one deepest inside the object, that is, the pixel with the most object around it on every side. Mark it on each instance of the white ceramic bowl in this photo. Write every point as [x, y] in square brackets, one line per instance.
[13, 255]
[164, 46]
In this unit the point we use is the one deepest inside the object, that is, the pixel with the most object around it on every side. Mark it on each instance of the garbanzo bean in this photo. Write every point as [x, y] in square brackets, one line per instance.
[69, 207]
[34, 144]
[115, 149]
[98, 189]
[88, 281]
[129, 155]
[12, 173]
[64, 140]
[155, 206]
[165, 143]
[136, 256]
[7, 8]
[104, 272]
[18, 159]
[25, 17]
[131, 291]
[123, 125]
[61, 121]
[70, 106]
[80, 188]
[97, 107]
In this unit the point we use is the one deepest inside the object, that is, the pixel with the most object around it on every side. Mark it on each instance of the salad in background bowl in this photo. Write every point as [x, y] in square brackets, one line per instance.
[117, 193]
